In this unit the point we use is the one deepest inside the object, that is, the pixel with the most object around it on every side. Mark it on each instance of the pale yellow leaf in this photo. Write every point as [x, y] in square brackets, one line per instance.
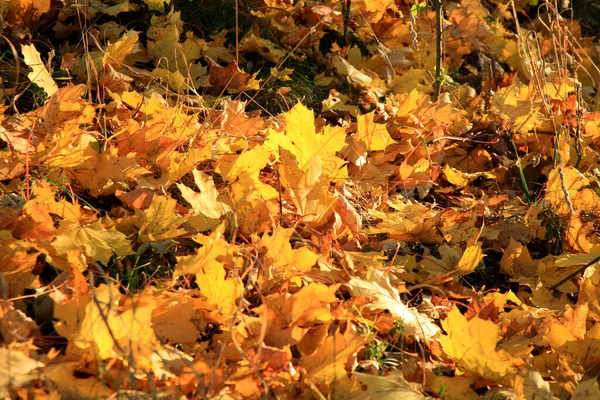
[157, 5]
[207, 206]
[470, 259]
[383, 296]
[39, 74]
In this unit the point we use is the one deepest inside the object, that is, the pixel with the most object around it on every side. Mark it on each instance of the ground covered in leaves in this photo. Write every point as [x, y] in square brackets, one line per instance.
[289, 209]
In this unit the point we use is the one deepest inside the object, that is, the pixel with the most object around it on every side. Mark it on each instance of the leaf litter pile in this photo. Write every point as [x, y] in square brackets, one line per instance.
[317, 204]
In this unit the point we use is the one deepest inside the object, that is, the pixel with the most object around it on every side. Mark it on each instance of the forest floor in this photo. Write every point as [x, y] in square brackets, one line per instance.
[275, 199]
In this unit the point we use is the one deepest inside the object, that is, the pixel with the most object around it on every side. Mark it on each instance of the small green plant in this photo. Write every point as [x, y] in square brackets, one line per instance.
[418, 8]
[524, 184]
[377, 351]
[398, 329]
[446, 79]
[442, 389]
[554, 230]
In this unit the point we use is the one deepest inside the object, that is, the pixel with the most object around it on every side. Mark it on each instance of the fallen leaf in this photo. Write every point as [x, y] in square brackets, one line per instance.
[383, 296]
[93, 240]
[472, 345]
[39, 74]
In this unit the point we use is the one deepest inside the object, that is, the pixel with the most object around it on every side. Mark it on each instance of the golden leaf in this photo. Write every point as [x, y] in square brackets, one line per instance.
[470, 259]
[93, 240]
[308, 188]
[104, 173]
[303, 141]
[160, 221]
[39, 74]
[328, 365]
[116, 53]
[108, 333]
[220, 292]
[472, 345]
[207, 264]
[375, 136]
[389, 387]
[163, 38]
[281, 254]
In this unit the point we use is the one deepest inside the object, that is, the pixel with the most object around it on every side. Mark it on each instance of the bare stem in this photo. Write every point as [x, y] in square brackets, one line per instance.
[439, 15]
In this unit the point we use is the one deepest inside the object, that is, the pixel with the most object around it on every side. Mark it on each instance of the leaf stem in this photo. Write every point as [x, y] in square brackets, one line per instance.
[439, 15]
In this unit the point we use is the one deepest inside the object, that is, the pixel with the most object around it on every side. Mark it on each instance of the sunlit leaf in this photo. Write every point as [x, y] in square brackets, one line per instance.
[375, 136]
[93, 240]
[39, 74]
[383, 296]
[472, 345]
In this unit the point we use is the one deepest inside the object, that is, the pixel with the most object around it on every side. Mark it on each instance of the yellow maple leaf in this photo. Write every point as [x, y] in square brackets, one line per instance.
[470, 259]
[116, 53]
[376, 8]
[243, 172]
[410, 220]
[290, 316]
[456, 387]
[472, 345]
[93, 240]
[46, 194]
[517, 261]
[175, 79]
[327, 366]
[163, 39]
[207, 206]
[389, 387]
[103, 173]
[71, 151]
[106, 333]
[39, 74]
[74, 385]
[303, 141]
[221, 292]
[414, 80]
[308, 188]
[35, 7]
[263, 47]
[344, 67]
[507, 48]
[174, 317]
[17, 261]
[281, 254]
[147, 105]
[312, 304]
[454, 177]
[207, 264]
[515, 104]
[564, 186]
[160, 221]
[375, 136]
[63, 115]
[575, 346]
[283, 75]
